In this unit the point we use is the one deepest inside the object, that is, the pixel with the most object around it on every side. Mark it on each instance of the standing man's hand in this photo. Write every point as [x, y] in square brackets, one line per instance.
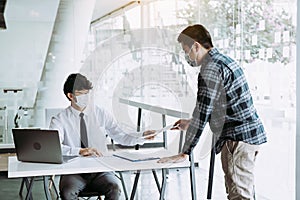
[173, 159]
[181, 124]
[90, 152]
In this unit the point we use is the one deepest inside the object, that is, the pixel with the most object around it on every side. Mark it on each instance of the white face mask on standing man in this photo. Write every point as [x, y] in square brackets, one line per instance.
[191, 62]
[198, 54]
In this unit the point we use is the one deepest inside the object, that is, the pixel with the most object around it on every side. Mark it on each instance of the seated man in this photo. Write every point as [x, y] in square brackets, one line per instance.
[82, 129]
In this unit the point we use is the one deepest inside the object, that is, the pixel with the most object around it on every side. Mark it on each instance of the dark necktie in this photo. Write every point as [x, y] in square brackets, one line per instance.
[83, 132]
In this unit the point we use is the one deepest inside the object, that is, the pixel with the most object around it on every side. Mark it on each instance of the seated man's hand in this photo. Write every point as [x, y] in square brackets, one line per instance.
[90, 152]
[150, 133]
[173, 159]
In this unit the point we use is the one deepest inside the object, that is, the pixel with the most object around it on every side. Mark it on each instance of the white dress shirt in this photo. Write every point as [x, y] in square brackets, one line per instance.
[99, 123]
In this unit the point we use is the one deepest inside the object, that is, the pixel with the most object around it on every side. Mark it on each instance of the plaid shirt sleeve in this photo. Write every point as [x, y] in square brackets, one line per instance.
[223, 100]
[209, 84]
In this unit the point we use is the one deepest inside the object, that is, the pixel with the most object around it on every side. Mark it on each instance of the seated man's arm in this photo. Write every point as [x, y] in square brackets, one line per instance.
[67, 144]
[117, 134]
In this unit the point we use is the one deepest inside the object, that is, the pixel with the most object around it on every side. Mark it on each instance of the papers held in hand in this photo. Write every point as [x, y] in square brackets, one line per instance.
[135, 156]
[158, 131]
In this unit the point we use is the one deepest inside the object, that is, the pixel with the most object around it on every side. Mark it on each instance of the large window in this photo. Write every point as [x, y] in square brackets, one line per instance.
[129, 61]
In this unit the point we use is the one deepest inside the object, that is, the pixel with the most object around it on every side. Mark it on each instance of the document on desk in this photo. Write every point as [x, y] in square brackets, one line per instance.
[135, 156]
[159, 131]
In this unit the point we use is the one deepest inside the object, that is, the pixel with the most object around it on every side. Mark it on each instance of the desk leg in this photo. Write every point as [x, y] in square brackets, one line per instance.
[53, 184]
[211, 170]
[138, 125]
[137, 176]
[165, 132]
[156, 180]
[46, 188]
[192, 177]
[163, 184]
[180, 141]
[29, 188]
[123, 185]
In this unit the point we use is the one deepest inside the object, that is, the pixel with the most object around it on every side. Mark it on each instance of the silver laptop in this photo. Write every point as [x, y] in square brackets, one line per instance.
[38, 145]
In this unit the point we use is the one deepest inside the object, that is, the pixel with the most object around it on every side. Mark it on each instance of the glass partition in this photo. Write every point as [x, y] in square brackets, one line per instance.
[260, 35]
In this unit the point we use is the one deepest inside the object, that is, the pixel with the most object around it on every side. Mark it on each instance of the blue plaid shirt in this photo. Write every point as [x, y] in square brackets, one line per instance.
[223, 100]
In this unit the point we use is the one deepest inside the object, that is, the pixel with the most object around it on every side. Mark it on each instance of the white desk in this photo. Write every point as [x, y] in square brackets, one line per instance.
[17, 169]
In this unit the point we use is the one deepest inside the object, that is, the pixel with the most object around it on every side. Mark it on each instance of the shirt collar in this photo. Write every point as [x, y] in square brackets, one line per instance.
[208, 56]
[77, 112]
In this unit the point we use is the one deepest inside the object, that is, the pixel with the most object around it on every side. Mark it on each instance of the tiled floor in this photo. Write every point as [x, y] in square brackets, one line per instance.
[178, 186]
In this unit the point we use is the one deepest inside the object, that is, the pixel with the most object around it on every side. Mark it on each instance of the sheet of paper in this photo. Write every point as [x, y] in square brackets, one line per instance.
[159, 131]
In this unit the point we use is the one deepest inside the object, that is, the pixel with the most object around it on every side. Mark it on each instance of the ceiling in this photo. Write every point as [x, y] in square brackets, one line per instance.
[24, 46]
[35, 32]
[104, 7]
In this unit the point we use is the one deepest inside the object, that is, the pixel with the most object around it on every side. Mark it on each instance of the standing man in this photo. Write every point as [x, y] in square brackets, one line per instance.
[223, 100]
[82, 130]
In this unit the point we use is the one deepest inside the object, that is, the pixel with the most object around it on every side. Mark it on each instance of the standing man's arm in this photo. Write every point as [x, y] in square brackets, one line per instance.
[210, 86]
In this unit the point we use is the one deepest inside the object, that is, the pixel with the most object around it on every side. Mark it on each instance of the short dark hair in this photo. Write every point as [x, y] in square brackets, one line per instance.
[196, 33]
[76, 82]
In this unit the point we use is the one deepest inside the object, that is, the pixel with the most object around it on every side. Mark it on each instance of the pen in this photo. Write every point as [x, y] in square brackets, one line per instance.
[176, 126]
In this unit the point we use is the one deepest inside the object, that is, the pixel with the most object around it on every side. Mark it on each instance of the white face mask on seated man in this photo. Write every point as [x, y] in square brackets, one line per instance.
[82, 100]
